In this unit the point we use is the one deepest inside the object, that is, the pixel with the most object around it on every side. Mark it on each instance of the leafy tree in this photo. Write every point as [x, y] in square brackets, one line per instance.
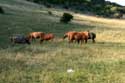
[94, 7]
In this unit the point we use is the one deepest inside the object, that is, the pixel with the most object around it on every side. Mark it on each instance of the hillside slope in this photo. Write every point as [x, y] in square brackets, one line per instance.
[101, 8]
[102, 62]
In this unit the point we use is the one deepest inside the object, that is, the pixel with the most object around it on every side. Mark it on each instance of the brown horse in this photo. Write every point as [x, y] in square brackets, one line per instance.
[36, 35]
[90, 35]
[70, 35]
[48, 37]
[84, 36]
[76, 36]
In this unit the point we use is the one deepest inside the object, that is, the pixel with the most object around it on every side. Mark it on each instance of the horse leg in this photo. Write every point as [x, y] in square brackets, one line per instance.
[41, 41]
[78, 41]
[86, 40]
[27, 41]
[70, 41]
[93, 40]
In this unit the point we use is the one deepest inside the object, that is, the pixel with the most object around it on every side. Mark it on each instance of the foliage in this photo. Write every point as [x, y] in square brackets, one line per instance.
[1, 10]
[66, 18]
[50, 13]
[95, 7]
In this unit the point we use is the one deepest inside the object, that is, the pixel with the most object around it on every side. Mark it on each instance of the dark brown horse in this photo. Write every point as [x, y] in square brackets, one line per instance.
[92, 35]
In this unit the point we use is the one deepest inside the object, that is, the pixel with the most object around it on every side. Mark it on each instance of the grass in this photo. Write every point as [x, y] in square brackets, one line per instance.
[102, 62]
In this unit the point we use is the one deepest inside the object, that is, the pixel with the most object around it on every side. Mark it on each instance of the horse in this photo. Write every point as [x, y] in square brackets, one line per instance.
[70, 35]
[84, 36]
[78, 38]
[36, 35]
[19, 39]
[92, 35]
[48, 37]
[75, 36]
[89, 35]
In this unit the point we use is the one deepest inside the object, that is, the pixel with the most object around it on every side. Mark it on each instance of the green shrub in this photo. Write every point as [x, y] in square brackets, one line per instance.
[66, 18]
[49, 12]
[1, 10]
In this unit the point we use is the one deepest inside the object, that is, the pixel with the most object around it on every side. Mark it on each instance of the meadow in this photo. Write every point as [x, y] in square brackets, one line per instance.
[101, 62]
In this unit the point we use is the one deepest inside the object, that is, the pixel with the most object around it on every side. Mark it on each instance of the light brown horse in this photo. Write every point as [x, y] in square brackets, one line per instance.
[36, 35]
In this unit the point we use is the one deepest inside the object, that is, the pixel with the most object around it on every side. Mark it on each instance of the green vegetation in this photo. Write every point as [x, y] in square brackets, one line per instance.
[1, 10]
[102, 62]
[93, 7]
[66, 18]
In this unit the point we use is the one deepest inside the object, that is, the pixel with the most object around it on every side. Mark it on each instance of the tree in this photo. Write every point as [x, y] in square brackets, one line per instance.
[66, 18]
[1, 10]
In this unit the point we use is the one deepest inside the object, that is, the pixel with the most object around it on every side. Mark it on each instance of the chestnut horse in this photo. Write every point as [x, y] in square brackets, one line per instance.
[36, 35]
[77, 36]
[90, 35]
[84, 36]
[48, 37]
[70, 35]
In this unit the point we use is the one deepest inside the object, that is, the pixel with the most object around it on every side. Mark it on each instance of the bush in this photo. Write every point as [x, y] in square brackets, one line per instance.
[66, 18]
[1, 10]
[50, 13]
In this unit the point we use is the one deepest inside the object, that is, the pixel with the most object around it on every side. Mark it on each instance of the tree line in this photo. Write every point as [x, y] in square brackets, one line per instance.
[93, 7]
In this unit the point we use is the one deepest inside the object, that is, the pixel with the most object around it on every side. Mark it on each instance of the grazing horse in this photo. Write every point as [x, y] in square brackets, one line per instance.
[78, 37]
[75, 36]
[84, 36]
[92, 36]
[20, 39]
[48, 37]
[36, 35]
[70, 35]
